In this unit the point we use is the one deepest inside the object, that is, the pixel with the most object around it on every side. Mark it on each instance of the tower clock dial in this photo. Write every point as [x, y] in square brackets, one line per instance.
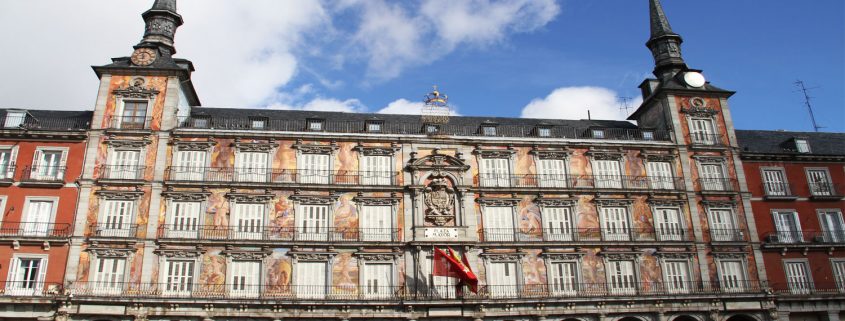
[143, 56]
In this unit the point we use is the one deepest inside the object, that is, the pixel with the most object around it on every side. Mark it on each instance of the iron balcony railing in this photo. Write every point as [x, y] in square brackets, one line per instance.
[400, 293]
[30, 289]
[28, 122]
[805, 237]
[584, 234]
[129, 122]
[114, 229]
[34, 229]
[550, 131]
[44, 173]
[727, 235]
[825, 189]
[703, 139]
[7, 173]
[808, 288]
[126, 172]
[274, 233]
[283, 176]
[775, 190]
[651, 183]
[717, 184]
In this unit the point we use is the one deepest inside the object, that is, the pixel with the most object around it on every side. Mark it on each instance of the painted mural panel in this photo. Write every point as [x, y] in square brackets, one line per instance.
[155, 113]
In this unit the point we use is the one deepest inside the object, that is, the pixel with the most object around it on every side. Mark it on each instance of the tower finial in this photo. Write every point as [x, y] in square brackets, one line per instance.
[665, 44]
[161, 22]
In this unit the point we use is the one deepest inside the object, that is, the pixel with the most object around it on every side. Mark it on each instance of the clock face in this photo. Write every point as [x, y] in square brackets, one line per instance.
[143, 56]
[694, 79]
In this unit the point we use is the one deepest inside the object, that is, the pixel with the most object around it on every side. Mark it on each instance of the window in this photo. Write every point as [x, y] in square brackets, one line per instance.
[488, 130]
[498, 223]
[124, 165]
[183, 221]
[251, 166]
[496, 172]
[839, 273]
[774, 182]
[311, 280]
[676, 276]
[248, 221]
[660, 175]
[819, 182]
[798, 277]
[200, 122]
[732, 275]
[441, 286]
[38, 218]
[598, 133]
[189, 165]
[258, 123]
[713, 178]
[374, 127]
[134, 114]
[788, 227]
[648, 135]
[722, 228]
[802, 145]
[376, 224]
[559, 223]
[378, 280]
[314, 169]
[620, 277]
[244, 278]
[502, 280]
[669, 224]
[315, 124]
[701, 131]
[312, 222]
[552, 173]
[116, 218]
[375, 170]
[832, 225]
[178, 277]
[615, 224]
[7, 162]
[108, 275]
[564, 278]
[48, 165]
[14, 118]
[432, 129]
[544, 132]
[26, 276]
[607, 174]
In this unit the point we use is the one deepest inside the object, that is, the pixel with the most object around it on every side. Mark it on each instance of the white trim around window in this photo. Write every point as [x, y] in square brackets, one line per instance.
[564, 276]
[35, 221]
[22, 280]
[799, 279]
[788, 226]
[832, 224]
[172, 273]
[677, 274]
[49, 167]
[837, 265]
[733, 274]
[7, 163]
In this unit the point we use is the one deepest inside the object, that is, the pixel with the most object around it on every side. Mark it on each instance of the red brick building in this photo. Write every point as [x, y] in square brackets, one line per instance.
[796, 181]
[41, 157]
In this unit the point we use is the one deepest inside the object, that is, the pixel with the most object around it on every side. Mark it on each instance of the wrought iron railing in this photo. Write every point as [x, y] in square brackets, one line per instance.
[727, 235]
[773, 189]
[805, 237]
[43, 173]
[7, 173]
[584, 234]
[34, 229]
[126, 172]
[28, 122]
[283, 176]
[717, 184]
[652, 183]
[129, 122]
[707, 139]
[114, 229]
[30, 288]
[825, 189]
[247, 123]
[808, 288]
[275, 233]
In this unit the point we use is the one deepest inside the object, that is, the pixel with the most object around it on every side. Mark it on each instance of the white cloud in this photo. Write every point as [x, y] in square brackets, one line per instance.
[574, 102]
[402, 106]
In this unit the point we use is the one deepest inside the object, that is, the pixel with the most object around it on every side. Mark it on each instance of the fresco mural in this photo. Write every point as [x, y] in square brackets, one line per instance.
[345, 273]
[119, 82]
[533, 268]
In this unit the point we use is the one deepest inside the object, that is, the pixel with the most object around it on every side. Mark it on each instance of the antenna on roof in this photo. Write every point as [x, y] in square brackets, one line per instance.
[626, 104]
[436, 109]
[588, 115]
[805, 91]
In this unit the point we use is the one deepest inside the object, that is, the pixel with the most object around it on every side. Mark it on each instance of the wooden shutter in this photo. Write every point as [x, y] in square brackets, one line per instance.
[559, 223]
[552, 173]
[498, 223]
[564, 278]
[311, 280]
[249, 220]
[607, 174]
[774, 182]
[615, 223]
[312, 221]
[376, 224]
[660, 175]
[676, 274]
[797, 277]
[669, 227]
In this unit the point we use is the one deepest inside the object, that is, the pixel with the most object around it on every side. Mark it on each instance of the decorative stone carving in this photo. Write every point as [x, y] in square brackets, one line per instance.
[120, 194]
[605, 156]
[719, 204]
[658, 157]
[555, 202]
[613, 202]
[311, 256]
[439, 199]
[264, 147]
[502, 257]
[674, 255]
[574, 256]
[393, 200]
[179, 253]
[250, 198]
[314, 199]
[710, 159]
[562, 154]
[314, 148]
[193, 145]
[185, 195]
[376, 150]
[497, 201]
[136, 90]
[665, 202]
[617, 256]
[729, 255]
[437, 162]
[494, 153]
[243, 255]
[127, 143]
[698, 108]
[111, 252]
[376, 256]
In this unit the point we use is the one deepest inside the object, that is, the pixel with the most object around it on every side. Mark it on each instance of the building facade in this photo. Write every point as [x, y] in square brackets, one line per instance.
[41, 157]
[796, 182]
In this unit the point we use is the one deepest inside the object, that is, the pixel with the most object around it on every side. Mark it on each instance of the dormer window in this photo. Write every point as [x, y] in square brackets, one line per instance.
[200, 122]
[374, 126]
[598, 133]
[431, 129]
[258, 123]
[488, 130]
[544, 132]
[315, 124]
[802, 145]
[14, 118]
[648, 135]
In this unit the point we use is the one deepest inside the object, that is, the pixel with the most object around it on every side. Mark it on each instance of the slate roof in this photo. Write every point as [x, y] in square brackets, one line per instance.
[53, 119]
[783, 142]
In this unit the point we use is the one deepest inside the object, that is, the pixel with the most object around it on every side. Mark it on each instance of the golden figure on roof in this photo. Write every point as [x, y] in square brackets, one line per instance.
[436, 109]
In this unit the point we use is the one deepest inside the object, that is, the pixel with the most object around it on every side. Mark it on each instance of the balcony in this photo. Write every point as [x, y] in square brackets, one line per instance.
[804, 239]
[707, 140]
[30, 123]
[36, 230]
[278, 176]
[717, 185]
[7, 174]
[114, 230]
[30, 289]
[583, 235]
[560, 181]
[807, 289]
[129, 122]
[778, 191]
[825, 191]
[122, 172]
[274, 233]
[133, 291]
[48, 176]
[727, 235]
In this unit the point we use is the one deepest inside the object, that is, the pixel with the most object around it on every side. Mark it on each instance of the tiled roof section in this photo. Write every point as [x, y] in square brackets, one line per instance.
[36, 119]
[783, 142]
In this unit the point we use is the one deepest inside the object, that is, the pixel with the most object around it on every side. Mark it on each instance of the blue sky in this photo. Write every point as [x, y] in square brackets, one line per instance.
[564, 56]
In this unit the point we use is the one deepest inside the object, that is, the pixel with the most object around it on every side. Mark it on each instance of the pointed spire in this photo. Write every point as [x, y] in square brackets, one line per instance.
[664, 43]
[161, 22]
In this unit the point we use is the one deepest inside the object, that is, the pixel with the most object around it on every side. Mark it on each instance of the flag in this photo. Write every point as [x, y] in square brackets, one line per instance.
[453, 266]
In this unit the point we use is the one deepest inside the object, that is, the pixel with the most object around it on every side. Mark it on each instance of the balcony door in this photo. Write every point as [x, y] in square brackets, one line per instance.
[378, 281]
[774, 182]
[732, 276]
[559, 224]
[676, 275]
[832, 226]
[498, 223]
[564, 278]
[621, 279]
[375, 170]
[190, 165]
[376, 225]
[503, 280]
[248, 221]
[314, 169]
[117, 218]
[721, 226]
[311, 280]
[39, 214]
[108, 275]
[26, 276]
[669, 225]
[48, 165]
[712, 177]
[615, 224]
[607, 174]
[184, 220]
[251, 166]
[124, 165]
[798, 277]
[819, 182]
[702, 131]
[244, 279]
[660, 175]
[312, 222]
[178, 278]
[496, 172]
[552, 173]
[788, 227]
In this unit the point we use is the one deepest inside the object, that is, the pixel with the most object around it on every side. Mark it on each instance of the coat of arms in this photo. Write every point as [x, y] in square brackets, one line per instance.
[440, 201]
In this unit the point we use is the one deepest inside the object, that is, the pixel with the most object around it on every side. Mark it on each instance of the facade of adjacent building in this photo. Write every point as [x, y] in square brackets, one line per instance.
[41, 156]
[796, 181]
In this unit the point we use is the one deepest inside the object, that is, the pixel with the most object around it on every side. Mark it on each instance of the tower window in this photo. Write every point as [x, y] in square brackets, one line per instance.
[14, 118]
[315, 124]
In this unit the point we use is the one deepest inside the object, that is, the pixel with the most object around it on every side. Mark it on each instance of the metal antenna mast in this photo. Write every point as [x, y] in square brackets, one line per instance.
[626, 104]
[805, 91]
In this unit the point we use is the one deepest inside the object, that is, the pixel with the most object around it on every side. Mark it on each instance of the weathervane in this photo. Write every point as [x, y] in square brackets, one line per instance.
[436, 109]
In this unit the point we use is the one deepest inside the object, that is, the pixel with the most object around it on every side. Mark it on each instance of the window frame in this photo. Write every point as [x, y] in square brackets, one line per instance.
[635, 271]
[315, 124]
[731, 219]
[743, 269]
[25, 213]
[828, 180]
[519, 281]
[61, 170]
[828, 234]
[688, 268]
[507, 236]
[799, 142]
[120, 111]
[811, 286]
[13, 160]
[19, 117]
[102, 215]
[41, 278]
[362, 280]
[578, 276]
[94, 274]
[785, 236]
[195, 272]
[253, 290]
[840, 278]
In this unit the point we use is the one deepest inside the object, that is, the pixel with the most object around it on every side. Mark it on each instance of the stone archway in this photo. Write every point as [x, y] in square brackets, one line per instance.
[685, 317]
[741, 317]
